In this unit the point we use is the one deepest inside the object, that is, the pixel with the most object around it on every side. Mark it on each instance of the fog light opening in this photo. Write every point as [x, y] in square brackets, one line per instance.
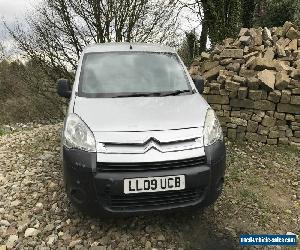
[77, 195]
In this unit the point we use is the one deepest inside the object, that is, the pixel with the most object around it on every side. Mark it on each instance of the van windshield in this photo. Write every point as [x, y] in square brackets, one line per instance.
[122, 74]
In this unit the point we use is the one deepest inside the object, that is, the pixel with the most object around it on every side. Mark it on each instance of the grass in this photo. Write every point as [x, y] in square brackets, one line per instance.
[2, 131]
[259, 188]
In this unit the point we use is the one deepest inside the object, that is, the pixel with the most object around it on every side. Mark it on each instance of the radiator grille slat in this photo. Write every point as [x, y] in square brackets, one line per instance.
[159, 199]
[150, 166]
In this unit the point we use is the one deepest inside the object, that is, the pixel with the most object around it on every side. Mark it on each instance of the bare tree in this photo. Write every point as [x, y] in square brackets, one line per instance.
[196, 7]
[2, 52]
[219, 18]
[60, 29]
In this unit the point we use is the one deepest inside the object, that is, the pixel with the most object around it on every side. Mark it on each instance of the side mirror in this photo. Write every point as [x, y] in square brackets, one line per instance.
[199, 84]
[64, 88]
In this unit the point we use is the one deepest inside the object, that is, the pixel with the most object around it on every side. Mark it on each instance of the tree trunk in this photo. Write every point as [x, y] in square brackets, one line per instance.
[203, 36]
[248, 13]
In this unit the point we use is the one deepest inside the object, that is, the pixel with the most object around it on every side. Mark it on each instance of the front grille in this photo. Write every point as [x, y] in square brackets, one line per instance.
[149, 166]
[152, 200]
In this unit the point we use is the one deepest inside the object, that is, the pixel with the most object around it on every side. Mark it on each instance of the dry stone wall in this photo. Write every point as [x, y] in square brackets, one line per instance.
[253, 84]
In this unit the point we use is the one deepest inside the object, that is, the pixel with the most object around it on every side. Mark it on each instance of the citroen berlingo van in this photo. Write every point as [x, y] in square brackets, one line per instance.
[138, 136]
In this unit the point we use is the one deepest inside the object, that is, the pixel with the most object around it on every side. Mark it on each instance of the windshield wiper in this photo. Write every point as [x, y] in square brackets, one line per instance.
[138, 95]
[177, 92]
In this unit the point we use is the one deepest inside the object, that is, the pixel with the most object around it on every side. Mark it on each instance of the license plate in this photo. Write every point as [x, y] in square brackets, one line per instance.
[154, 184]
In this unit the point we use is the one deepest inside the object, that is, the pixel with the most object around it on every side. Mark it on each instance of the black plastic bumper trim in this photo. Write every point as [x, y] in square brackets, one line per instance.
[99, 191]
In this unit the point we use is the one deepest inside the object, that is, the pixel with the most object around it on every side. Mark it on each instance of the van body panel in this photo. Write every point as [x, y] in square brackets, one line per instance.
[152, 155]
[142, 113]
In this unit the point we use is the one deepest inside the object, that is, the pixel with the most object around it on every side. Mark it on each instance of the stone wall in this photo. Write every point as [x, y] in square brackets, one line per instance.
[253, 84]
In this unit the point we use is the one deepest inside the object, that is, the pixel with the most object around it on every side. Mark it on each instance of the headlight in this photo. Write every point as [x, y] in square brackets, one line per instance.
[212, 129]
[78, 135]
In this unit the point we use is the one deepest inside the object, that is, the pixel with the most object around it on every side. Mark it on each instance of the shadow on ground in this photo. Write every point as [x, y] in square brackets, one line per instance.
[201, 232]
[192, 229]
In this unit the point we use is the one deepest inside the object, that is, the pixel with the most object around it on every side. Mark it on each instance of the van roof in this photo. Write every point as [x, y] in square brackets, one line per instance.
[125, 46]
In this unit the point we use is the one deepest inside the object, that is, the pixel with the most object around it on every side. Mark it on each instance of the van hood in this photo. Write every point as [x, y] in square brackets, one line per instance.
[142, 113]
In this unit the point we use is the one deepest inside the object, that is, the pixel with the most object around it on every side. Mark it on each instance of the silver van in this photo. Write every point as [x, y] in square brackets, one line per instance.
[138, 135]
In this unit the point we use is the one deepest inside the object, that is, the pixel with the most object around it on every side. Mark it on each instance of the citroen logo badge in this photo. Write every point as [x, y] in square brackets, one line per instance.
[152, 144]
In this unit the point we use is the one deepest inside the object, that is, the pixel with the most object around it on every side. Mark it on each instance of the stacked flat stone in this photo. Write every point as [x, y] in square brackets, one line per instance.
[253, 84]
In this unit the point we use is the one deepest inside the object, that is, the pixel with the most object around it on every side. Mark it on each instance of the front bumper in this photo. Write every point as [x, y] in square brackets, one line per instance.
[96, 190]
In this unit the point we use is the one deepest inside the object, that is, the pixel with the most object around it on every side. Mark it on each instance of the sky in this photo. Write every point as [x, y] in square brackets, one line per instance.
[12, 10]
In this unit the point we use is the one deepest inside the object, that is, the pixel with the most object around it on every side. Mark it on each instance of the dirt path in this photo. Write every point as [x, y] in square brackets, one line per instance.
[261, 196]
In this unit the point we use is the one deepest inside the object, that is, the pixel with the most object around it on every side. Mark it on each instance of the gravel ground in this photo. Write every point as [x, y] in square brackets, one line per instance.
[262, 195]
